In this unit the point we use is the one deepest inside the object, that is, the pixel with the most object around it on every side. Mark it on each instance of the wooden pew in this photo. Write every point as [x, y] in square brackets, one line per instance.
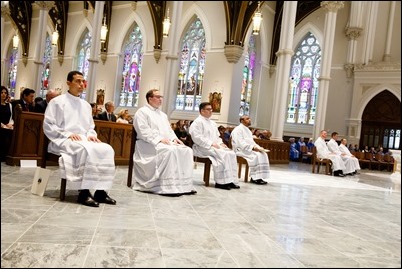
[278, 151]
[27, 141]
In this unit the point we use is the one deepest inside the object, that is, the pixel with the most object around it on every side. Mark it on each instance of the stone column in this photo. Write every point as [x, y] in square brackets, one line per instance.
[370, 31]
[331, 8]
[94, 52]
[387, 53]
[169, 91]
[41, 42]
[5, 11]
[284, 54]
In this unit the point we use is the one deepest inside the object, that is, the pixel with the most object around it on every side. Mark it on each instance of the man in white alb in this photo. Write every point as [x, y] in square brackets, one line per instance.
[208, 144]
[323, 152]
[162, 163]
[350, 167]
[346, 152]
[85, 161]
[244, 145]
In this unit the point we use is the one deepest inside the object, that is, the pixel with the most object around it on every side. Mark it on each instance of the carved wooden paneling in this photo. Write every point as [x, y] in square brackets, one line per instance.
[279, 151]
[27, 140]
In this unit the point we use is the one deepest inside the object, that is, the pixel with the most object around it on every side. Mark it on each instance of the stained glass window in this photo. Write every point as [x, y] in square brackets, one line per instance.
[191, 70]
[303, 81]
[83, 52]
[132, 64]
[12, 70]
[248, 75]
[47, 58]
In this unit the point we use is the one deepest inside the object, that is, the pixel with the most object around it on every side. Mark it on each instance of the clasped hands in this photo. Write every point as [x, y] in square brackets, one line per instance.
[174, 142]
[76, 137]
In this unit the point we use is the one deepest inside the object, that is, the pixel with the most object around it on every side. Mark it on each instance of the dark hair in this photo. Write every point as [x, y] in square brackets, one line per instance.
[150, 94]
[38, 99]
[93, 104]
[334, 134]
[27, 91]
[204, 104]
[71, 75]
[4, 88]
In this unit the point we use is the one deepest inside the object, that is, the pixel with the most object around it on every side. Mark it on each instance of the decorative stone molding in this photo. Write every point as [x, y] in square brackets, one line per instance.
[379, 66]
[60, 58]
[134, 5]
[349, 69]
[157, 54]
[233, 53]
[332, 6]
[271, 70]
[25, 59]
[352, 33]
[103, 56]
[47, 5]
[284, 52]
[5, 9]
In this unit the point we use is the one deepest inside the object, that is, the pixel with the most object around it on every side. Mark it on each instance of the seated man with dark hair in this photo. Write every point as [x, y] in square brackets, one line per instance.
[85, 161]
[244, 145]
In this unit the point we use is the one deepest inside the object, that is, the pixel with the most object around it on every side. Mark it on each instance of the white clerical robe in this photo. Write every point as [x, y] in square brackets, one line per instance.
[160, 168]
[324, 153]
[344, 150]
[349, 164]
[204, 132]
[243, 144]
[85, 164]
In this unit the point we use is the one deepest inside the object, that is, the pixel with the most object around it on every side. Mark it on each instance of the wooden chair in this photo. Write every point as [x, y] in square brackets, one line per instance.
[305, 155]
[240, 162]
[47, 156]
[206, 161]
[319, 161]
[391, 164]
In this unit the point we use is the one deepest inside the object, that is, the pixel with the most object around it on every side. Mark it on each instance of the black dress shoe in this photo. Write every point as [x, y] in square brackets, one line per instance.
[102, 197]
[190, 192]
[85, 198]
[171, 194]
[339, 175]
[222, 186]
[233, 186]
[258, 181]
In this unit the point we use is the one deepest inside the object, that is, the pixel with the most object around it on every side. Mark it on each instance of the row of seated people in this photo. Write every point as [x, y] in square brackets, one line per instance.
[73, 138]
[181, 129]
[298, 149]
[162, 163]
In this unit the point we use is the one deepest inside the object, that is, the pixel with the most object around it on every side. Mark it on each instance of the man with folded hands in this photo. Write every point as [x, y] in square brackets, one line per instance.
[208, 144]
[162, 163]
[244, 146]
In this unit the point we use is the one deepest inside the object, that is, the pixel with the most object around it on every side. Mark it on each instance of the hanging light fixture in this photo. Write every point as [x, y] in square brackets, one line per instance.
[16, 40]
[166, 24]
[103, 32]
[257, 18]
[55, 37]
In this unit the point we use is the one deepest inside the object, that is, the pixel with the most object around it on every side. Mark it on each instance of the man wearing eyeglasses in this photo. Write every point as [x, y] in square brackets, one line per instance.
[85, 161]
[208, 144]
[162, 163]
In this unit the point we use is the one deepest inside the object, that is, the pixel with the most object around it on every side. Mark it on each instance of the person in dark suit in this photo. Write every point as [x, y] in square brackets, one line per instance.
[108, 114]
[26, 101]
[40, 107]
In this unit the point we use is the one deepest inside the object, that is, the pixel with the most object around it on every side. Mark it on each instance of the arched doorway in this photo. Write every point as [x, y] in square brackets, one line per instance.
[381, 122]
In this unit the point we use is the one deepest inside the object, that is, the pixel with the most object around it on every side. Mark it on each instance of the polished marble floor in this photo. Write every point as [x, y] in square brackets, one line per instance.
[298, 220]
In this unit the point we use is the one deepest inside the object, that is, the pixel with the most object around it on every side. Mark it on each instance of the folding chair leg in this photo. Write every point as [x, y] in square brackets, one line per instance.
[239, 170]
